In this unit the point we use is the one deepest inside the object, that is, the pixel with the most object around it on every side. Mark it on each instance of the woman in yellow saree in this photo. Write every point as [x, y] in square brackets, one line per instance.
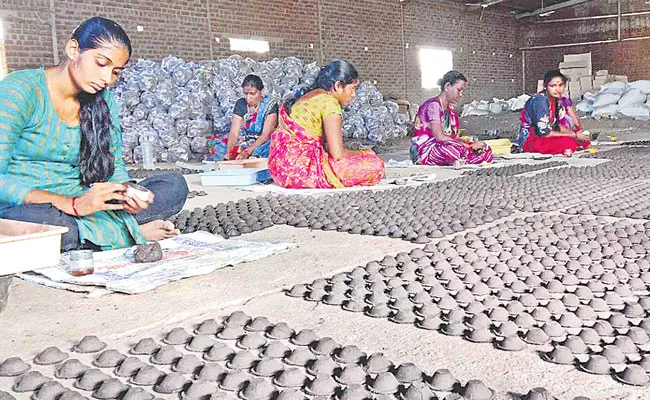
[298, 158]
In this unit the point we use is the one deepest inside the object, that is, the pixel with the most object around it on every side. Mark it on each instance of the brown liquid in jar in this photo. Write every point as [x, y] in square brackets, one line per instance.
[82, 272]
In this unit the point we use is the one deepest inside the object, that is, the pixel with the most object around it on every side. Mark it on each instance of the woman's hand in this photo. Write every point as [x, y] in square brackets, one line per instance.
[96, 199]
[134, 205]
[581, 137]
[244, 154]
[478, 145]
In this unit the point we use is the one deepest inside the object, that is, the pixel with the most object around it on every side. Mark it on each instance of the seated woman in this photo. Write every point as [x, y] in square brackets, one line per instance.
[549, 125]
[298, 158]
[254, 118]
[435, 140]
[61, 157]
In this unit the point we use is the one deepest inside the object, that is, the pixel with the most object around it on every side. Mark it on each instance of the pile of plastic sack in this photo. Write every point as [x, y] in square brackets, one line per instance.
[497, 106]
[618, 98]
[181, 103]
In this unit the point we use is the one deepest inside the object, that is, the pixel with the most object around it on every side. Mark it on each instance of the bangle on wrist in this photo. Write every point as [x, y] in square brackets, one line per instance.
[74, 208]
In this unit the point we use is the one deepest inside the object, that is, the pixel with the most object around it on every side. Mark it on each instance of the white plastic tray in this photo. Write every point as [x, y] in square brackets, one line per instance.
[25, 246]
[234, 177]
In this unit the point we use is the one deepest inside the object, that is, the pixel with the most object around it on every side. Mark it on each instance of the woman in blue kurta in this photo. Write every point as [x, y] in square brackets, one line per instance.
[61, 158]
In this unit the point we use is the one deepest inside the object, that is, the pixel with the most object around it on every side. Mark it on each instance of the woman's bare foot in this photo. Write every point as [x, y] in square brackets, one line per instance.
[158, 230]
[567, 153]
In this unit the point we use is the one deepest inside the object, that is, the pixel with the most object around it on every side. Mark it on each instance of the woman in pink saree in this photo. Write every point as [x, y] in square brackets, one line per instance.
[298, 158]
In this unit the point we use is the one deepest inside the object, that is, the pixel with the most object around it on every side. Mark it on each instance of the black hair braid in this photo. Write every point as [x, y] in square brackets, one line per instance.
[95, 158]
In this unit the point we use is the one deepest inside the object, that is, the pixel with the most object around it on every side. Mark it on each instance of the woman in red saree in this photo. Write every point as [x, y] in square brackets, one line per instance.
[298, 158]
[546, 123]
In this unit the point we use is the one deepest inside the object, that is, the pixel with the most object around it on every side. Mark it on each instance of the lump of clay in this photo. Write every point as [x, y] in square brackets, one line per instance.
[238, 318]
[442, 380]
[51, 355]
[242, 360]
[110, 389]
[199, 390]
[234, 381]
[29, 382]
[109, 359]
[322, 385]
[146, 253]
[290, 378]
[172, 383]
[231, 332]
[304, 338]
[71, 369]
[276, 349]
[71, 395]
[351, 375]
[129, 366]
[200, 343]
[257, 389]
[268, 367]
[208, 327]
[89, 344]
[634, 375]
[177, 336]
[166, 355]
[378, 363]
[384, 383]
[147, 376]
[136, 393]
[13, 366]
[49, 391]
[538, 393]
[145, 346]
[259, 324]
[253, 340]
[91, 380]
[322, 365]
[300, 357]
[280, 331]
[408, 373]
[187, 364]
[219, 352]
[476, 390]
[210, 372]
[325, 346]
[349, 355]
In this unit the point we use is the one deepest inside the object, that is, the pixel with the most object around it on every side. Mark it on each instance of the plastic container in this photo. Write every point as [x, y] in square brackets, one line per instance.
[147, 151]
[25, 246]
[81, 263]
[234, 177]
[500, 146]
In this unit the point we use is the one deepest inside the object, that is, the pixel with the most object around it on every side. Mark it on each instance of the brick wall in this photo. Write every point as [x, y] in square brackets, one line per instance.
[369, 33]
[620, 58]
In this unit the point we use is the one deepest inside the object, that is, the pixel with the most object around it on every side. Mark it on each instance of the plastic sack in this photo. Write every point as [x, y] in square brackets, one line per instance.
[585, 106]
[606, 98]
[635, 111]
[632, 97]
[610, 109]
[613, 87]
[643, 85]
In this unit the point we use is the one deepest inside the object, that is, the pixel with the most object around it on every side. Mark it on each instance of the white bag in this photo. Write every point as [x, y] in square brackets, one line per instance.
[585, 106]
[604, 99]
[643, 85]
[635, 111]
[632, 97]
[610, 109]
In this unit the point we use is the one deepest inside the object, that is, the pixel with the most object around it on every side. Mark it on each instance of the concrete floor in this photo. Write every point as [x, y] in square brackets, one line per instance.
[38, 317]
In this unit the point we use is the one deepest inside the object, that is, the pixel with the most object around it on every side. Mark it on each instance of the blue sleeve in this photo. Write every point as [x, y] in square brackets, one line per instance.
[241, 107]
[17, 99]
[120, 174]
[539, 113]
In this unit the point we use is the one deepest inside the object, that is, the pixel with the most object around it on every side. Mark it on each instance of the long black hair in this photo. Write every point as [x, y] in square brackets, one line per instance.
[95, 158]
[548, 77]
[336, 71]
